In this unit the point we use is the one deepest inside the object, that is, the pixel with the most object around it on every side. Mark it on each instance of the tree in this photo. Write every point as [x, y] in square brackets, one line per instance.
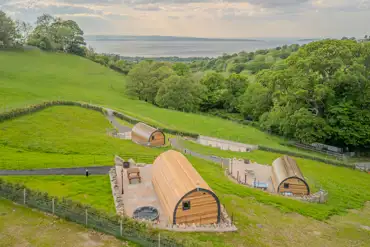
[255, 101]
[42, 35]
[235, 86]
[8, 32]
[179, 93]
[145, 79]
[214, 84]
[24, 30]
[322, 94]
[181, 69]
[58, 35]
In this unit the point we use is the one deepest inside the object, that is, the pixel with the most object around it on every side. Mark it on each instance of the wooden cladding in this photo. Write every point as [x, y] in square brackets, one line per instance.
[184, 195]
[146, 135]
[157, 139]
[287, 178]
[295, 186]
[203, 209]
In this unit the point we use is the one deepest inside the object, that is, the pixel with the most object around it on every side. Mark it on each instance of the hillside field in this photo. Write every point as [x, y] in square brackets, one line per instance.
[33, 76]
[20, 226]
[64, 136]
[69, 136]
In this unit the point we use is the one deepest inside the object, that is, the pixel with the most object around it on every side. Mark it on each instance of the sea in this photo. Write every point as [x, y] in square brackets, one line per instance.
[169, 46]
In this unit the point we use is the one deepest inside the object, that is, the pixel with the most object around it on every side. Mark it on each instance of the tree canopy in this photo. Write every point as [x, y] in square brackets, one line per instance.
[55, 34]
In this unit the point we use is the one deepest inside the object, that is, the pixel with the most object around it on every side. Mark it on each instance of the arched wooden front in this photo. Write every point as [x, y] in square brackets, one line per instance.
[294, 185]
[157, 138]
[204, 208]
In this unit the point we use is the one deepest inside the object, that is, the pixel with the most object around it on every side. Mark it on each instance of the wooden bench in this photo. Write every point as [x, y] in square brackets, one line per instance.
[133, 173]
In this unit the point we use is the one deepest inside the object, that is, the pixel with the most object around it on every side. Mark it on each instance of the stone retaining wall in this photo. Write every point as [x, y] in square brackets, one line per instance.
[117, 197]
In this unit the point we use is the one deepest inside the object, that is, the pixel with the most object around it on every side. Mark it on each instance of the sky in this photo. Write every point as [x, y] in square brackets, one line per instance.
[205, 18]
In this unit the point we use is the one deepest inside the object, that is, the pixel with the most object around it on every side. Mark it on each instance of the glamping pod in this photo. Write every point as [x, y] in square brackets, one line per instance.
[146, 135]
[184, 196]
[287, 177]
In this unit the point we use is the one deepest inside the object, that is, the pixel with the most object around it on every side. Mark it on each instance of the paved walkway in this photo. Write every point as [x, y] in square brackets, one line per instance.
[121, 128]
[177, 145]
[94, 170]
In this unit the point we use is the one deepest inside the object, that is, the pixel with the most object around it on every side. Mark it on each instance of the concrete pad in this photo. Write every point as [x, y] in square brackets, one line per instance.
[250, 172]
[141, 194]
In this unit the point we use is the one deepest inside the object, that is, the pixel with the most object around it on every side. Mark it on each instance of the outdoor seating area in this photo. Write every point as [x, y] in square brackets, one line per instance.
[251, 174]
[133, 173]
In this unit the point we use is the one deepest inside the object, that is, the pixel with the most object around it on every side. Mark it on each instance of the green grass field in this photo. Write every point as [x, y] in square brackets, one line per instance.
[64, 136]
[61, 76]
[21, 226]
[259, 223]
[67, 136]
[347, 188]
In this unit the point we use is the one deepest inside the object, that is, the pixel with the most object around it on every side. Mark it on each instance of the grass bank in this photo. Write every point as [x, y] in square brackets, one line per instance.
[21, 226]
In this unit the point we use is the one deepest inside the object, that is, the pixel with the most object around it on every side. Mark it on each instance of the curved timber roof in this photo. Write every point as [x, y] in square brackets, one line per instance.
[144, 130]
[174, 177]
[286, 167]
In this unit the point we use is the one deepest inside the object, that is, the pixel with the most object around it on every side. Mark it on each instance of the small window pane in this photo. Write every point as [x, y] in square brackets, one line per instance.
[186, 205]
[286, 186]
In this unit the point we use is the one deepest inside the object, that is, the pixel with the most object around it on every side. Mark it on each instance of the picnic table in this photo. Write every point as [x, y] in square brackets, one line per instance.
[133, 173]
[259, 185]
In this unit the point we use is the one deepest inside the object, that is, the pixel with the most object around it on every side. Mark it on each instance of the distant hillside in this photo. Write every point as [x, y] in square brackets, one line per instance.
[158, 38]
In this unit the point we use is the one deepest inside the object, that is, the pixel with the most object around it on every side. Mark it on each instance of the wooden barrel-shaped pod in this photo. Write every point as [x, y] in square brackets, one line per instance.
[184, 195]
[288, 178]
[146, 135]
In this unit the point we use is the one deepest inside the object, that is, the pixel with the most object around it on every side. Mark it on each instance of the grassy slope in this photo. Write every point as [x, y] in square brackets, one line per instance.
[63, 136]
[20, 226]
[40, 133]
[94, 190]
[258, 224]
[31, 77]
[347, 188]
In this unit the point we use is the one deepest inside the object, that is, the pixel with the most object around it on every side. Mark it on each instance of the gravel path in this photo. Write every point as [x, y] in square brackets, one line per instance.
[121, 128]
[94, 170]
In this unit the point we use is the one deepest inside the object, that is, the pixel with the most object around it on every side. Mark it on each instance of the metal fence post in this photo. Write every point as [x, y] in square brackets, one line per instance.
[53, 201]
[120, 227]
[86, 217]
[24, 196]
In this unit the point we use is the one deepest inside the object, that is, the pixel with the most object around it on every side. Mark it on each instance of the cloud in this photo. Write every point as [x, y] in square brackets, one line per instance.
[209, 18]
[264, 3]
[147, 8]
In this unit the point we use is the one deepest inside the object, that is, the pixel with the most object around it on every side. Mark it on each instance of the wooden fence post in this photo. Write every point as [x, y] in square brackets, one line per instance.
[53, 201]
[24, 196]
[120, 227]
[86, 217]
[159, 240]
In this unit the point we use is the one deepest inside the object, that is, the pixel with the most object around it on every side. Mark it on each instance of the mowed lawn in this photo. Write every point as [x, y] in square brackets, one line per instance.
[33, 76]
[21, 226]
[64, 136]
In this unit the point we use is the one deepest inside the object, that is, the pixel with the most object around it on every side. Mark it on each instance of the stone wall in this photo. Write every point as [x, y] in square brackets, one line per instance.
[117, 197]
[318, 197]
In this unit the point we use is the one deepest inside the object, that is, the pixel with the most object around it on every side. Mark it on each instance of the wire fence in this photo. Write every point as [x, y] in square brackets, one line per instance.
[120, 227]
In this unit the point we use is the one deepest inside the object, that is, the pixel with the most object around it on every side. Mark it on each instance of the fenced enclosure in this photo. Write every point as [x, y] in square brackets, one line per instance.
[120, 227]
